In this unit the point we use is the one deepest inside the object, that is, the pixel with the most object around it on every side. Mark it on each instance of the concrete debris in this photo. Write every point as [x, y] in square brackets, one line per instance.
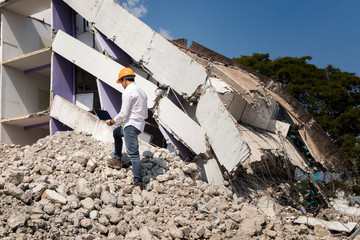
[97, 204]
[226, 121]
[331, 225]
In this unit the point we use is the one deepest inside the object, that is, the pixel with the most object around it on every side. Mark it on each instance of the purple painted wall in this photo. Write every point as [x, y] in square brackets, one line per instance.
[122, 57]
[63, 72]
[184, 151]
[63, 17]
[110, 98]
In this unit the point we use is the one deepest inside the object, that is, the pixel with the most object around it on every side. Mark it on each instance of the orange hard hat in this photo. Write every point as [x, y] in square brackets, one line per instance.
[125, 72]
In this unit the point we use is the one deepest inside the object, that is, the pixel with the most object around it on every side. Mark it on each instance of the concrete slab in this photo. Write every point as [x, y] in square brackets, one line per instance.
[213, 173]
[331, 225]
[32, 60]
[181, 126]
[23, 7]
[223, 134]
[97, 64]
[80, 120]
[143, 44]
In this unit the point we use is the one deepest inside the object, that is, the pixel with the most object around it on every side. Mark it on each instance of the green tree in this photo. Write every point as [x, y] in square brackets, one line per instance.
[331, 96]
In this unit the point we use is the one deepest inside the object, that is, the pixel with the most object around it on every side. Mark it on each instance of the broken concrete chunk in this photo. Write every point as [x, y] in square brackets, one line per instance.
[12, 190]
[87, 203]
[38, 190]
[53, 196]
[331, 225]
[81, 158]
[82, 189]
[17, 220]
[14, 176]
[108, 198]
[221, 130]
[190, 168]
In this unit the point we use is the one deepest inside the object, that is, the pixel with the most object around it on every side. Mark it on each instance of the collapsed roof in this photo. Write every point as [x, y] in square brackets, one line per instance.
[204, 103]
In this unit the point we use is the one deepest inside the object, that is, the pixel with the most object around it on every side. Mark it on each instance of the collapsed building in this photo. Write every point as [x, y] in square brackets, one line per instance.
[56, 72]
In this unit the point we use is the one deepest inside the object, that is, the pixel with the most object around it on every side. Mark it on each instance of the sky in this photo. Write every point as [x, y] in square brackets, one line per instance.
[326, 30]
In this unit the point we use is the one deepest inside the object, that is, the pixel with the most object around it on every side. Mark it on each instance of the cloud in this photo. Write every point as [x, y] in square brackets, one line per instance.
[136, 7]
[165, 34]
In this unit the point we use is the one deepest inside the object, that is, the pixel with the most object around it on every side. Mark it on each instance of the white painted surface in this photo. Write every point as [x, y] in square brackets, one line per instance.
[22, 35]
[97, 64]
[27, 8]
[88, 9]
[220, 86]
[23, 93]
[17, 135]
[224, 136]
[85, 101]
[237, 107]
[182, 126]
[87, 38]
[261, 114]
[213, 173]
[278, 127]
[43, 16]
[32, 60]
[331, 225]
[342, 206]
[27, 120]
[80, 120]
[143, 44]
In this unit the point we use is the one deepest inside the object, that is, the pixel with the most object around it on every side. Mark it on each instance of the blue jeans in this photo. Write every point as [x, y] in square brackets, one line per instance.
[132, 148]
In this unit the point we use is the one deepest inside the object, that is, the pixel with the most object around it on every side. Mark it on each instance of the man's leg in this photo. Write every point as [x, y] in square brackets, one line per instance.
[132, 148]
[118, 134]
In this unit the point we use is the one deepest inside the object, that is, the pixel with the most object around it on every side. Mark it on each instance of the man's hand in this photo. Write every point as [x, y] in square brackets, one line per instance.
[110, 122]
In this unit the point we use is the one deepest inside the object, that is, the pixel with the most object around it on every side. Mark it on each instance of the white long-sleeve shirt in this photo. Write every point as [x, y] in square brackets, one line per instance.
[134, 109]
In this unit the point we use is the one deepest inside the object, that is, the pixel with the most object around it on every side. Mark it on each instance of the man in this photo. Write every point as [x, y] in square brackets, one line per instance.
[132, 122]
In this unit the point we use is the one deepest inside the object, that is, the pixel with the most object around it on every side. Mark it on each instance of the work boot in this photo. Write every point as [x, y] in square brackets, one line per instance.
[114, 163]
[139, 184]
[125, 161]
[129, 188]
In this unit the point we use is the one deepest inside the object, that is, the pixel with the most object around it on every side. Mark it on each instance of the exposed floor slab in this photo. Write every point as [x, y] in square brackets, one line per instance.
[28, 120]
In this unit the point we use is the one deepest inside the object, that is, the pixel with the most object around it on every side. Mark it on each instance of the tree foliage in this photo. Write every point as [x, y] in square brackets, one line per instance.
[331, 96]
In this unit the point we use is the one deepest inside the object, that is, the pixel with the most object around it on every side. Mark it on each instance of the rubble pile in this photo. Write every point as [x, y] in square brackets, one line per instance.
[61, 188]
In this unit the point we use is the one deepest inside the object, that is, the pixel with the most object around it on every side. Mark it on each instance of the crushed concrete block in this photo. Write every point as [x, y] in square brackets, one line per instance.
[53, 196]
[16, 221]
[331, 225]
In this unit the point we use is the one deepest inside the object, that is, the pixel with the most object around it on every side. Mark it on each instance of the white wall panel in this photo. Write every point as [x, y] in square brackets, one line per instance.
[97, 64]
[23, 93]
[182, 126]
[224, 136]
[22, 35]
